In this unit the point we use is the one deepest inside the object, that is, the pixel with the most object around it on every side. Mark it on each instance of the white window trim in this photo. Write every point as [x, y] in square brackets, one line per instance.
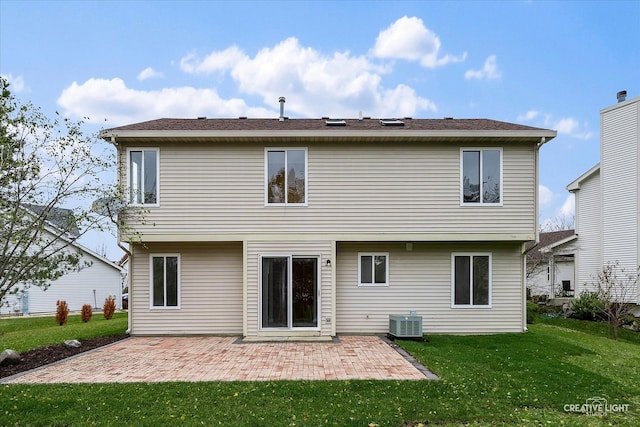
[306, 176]
[290, 257]
[164, 307]
[128, 176]
[373, 284]
[453, 279]
[481, 203]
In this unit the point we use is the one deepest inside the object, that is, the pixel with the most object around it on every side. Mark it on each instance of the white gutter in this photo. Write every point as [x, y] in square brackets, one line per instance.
[329, 133]
[543, 141]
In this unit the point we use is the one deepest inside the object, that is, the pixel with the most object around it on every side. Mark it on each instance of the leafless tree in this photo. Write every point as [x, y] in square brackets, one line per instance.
[101, 250]
[558, 223]
[618, 289]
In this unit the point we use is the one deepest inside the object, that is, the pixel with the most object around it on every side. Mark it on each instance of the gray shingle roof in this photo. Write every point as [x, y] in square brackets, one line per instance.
[546, 239]
[60, 218]
[204, 124]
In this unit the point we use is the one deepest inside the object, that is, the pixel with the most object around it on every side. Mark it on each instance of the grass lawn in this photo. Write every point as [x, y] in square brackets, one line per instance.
[504, 380]
[22, 334]
[598, 328]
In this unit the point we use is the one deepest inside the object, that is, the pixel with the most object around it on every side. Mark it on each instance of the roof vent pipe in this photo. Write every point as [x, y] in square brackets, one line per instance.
[281, 100]
[622, 95]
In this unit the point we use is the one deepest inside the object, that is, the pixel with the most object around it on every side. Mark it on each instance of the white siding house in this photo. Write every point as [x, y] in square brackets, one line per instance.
[100, 279]
[309, 228]
[607, 198]
[551, 264]
[619, 175]
[588, 203]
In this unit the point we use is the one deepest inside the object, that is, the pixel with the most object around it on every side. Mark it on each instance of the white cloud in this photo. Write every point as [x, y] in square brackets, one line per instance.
[113, 100]
[563, 217]
[545, 195]
[409, 39]
[149, 73]
[565, 126]
[568, 208]
[16, 83]
[314, 84]
[402, 102]
[528, 116]
[215, 61]
[568, 126]
[489, 70]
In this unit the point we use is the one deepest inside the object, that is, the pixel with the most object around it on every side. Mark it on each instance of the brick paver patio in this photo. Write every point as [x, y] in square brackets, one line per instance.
[158, 359]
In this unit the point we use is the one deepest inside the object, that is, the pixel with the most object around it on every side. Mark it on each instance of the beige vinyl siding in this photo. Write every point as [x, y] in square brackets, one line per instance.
[420, 281]
[218, 189]
[210, 290]
[255, 249]
[589, 230]
[620, 167]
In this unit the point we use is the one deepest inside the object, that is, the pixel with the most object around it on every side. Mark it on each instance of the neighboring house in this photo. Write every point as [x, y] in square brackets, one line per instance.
[306, 228]
[607, 198]
[91, 285]
[551, 270]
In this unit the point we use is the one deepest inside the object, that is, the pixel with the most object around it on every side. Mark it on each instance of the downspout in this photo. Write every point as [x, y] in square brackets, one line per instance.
[524, 289]
[543, 140]
[127, 251]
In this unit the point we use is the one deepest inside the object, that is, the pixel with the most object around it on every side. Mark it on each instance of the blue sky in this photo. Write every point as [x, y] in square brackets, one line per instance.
[540, 63]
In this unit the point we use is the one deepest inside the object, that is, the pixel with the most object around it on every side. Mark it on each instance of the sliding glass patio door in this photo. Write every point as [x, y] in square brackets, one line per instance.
[289, 292]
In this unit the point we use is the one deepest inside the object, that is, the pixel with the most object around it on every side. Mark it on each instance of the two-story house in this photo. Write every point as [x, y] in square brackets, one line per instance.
[607, 198]
[312, 227]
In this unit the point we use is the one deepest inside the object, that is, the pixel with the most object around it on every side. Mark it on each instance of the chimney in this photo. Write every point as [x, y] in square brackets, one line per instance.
[281, 100]
[622, 95]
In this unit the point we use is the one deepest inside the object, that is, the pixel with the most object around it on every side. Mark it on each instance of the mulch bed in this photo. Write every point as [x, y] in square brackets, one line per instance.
[44, 355]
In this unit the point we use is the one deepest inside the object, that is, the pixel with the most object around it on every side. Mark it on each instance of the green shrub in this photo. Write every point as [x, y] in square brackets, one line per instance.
[532, 311]
[539, 299]
[549, 309]
[589, 306]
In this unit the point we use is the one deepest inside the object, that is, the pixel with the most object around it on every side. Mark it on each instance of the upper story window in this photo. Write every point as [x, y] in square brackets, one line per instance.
[481, 176]
[286, 176]
[143, 175]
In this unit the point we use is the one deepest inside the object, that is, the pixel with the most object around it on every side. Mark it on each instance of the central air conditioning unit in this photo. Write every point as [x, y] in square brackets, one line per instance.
[405, 326]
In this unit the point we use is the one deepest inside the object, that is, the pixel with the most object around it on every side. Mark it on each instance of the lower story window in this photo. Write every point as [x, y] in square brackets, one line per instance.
[471, 277]
[373, 269]
[165, 281]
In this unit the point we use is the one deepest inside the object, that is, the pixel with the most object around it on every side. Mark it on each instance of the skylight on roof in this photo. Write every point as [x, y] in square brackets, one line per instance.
[335, 122]
[391, 122]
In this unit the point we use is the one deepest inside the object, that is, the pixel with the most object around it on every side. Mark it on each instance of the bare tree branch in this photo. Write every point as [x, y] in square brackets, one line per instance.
[558, 223]
[617, 288]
